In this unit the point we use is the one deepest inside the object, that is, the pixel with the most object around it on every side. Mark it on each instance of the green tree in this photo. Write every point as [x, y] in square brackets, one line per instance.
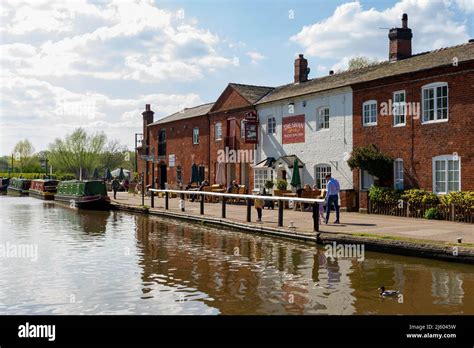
[360, 62]
[23, 155]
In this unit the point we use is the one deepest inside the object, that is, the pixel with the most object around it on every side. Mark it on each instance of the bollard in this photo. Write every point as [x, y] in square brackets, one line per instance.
[167, 206]
[181, 202]
[316, 217]
[202, 204]
[280, 213]
[223, 207]
[249, 210]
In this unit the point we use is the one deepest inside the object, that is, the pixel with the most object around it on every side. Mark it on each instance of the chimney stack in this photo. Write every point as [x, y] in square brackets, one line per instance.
[147, 119]
[400, 41]
[301, 69]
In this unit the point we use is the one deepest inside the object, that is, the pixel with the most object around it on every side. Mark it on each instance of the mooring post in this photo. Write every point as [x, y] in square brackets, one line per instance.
[202, 204]
[280, 213]
[167, 205]
[143, 188]
[316, 217]
[249, 210]
[223, 207]
[182, 201]
[152, 184]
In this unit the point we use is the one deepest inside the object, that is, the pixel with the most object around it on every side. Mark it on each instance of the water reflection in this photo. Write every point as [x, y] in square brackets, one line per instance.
[117, 263]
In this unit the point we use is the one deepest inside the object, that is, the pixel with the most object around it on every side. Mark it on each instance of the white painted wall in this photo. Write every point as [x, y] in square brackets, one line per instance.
[321, 146]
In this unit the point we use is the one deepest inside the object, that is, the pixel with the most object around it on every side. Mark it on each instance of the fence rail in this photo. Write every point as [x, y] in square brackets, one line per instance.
[248, 198]
[418, 210]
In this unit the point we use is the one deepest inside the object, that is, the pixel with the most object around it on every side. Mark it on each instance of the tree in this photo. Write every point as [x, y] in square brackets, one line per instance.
[369, 158]
[23, 154]
[360, 62]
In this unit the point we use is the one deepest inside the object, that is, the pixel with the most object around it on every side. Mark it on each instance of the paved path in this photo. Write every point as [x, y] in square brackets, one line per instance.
[351, 223]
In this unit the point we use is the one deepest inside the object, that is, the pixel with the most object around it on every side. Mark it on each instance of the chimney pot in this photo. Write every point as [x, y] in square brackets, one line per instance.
[331, 72]
[147, 107]
[405, 21]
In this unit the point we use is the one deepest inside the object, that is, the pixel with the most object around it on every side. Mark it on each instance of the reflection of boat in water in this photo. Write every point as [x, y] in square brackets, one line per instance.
[43, 189]
[18, 187]
[89, 222]
[83, 194]
[3, 185]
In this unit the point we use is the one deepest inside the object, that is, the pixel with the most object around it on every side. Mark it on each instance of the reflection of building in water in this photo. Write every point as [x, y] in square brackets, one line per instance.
[242, 273]
[447, 287]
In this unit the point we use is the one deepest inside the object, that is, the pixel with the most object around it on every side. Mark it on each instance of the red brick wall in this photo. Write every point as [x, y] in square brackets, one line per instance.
[418, 143]
[179, 141]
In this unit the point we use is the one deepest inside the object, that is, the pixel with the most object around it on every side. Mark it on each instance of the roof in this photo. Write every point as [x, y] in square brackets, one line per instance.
[290, 159]
[251, 93]
[417, 62]
[194, 111]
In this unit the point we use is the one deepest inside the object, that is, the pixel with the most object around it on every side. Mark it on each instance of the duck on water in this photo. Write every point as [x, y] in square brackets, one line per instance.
[387, 293]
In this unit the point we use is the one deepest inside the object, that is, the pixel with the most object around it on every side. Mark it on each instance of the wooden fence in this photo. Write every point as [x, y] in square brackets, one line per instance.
[417, 210]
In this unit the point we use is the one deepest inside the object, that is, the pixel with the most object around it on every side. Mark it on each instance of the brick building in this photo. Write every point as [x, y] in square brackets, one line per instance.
[177, 142]
[418, 109]
[227, 132]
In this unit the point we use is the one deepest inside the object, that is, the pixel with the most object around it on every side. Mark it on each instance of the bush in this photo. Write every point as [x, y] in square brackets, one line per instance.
[463, 199]
[58, 176]
[384, 195]
[369, 158]
[432, 213]
[281, 184]
[416, 196]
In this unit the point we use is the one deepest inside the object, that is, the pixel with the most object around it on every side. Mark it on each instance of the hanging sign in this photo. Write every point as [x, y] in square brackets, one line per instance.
[251, 132]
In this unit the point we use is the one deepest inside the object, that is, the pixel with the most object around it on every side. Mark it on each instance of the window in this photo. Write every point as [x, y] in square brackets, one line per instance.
[271, 125]
[218, 131]
[261, 176]
[446, 174]
[398, 174]
[369, 113]
[195, 135]
[321, 171]
[366, 180]
[323, 118]
[162, 142]
[179, 174]
[242, 128]
[435, 102]
[399, 108]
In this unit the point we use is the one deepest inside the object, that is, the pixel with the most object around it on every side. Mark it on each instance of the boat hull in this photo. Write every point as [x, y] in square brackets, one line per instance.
[17, 192]
[97, 202]
[47, 196]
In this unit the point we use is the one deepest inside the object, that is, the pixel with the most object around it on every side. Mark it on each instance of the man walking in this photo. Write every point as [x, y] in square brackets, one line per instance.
[115, 186]
[333, 188]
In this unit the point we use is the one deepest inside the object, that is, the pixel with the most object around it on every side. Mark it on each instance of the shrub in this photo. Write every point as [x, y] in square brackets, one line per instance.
[432, 213]
[269, 184]
[281, 184]
[416, 196]
[463, 199]
[384, 194]
[369, 158]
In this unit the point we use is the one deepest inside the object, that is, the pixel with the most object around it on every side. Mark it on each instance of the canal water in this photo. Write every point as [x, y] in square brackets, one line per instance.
[56, 260]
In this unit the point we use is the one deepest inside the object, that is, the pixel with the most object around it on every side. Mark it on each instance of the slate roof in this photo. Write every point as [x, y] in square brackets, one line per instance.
[251, 93]
[418, 62]
[185, 113]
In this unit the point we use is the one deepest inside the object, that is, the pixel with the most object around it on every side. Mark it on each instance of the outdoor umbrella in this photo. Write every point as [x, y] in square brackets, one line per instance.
[121, 174]
[108, 175]
[295, 177]
[96, 174]
[194, 173]
[220, 175]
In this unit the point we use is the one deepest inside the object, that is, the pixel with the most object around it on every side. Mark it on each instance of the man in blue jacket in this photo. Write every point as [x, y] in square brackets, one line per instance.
[332, 196]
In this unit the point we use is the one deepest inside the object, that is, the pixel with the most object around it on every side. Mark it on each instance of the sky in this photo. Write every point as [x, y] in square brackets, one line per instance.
[95, 64]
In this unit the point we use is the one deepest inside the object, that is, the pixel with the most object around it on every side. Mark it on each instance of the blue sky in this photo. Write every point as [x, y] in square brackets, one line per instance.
[94, 65]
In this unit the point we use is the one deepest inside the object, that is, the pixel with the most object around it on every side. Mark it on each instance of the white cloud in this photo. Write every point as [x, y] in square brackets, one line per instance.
[466, 5]
[352, 30]
[255, 57]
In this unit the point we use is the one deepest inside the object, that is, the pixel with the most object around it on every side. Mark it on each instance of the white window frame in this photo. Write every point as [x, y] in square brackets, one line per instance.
[434, 86]
[322, 123]
[370, 123]
[218, 131]
[446, 159]
[361, 180]
[261, 175]
[271, 124]
[322, 174]
[396, 106]
[195, 135]
[242, 128]
[398, 174]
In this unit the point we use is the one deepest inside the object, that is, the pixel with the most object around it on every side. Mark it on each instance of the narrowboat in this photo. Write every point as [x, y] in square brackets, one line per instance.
[83, 194]
[43, 189]
[3, 185]
[18, 187]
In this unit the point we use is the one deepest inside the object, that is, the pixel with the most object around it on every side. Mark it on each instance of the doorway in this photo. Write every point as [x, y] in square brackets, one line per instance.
[163, 176]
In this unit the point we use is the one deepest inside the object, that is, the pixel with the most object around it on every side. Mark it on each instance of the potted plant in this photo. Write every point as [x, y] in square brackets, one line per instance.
[269, 185]
[281, 187]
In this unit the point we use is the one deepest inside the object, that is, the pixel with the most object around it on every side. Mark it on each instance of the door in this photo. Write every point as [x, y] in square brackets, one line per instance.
[244, 174]
[231, 127]
[163, 177]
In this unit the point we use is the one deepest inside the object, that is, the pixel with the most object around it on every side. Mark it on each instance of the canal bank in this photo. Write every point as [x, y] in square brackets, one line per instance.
[394, 235]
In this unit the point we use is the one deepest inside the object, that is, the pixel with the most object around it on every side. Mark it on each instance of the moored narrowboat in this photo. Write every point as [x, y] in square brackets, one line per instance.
[43, 189]
[18, 187]
[3, 185]
[83, 194]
